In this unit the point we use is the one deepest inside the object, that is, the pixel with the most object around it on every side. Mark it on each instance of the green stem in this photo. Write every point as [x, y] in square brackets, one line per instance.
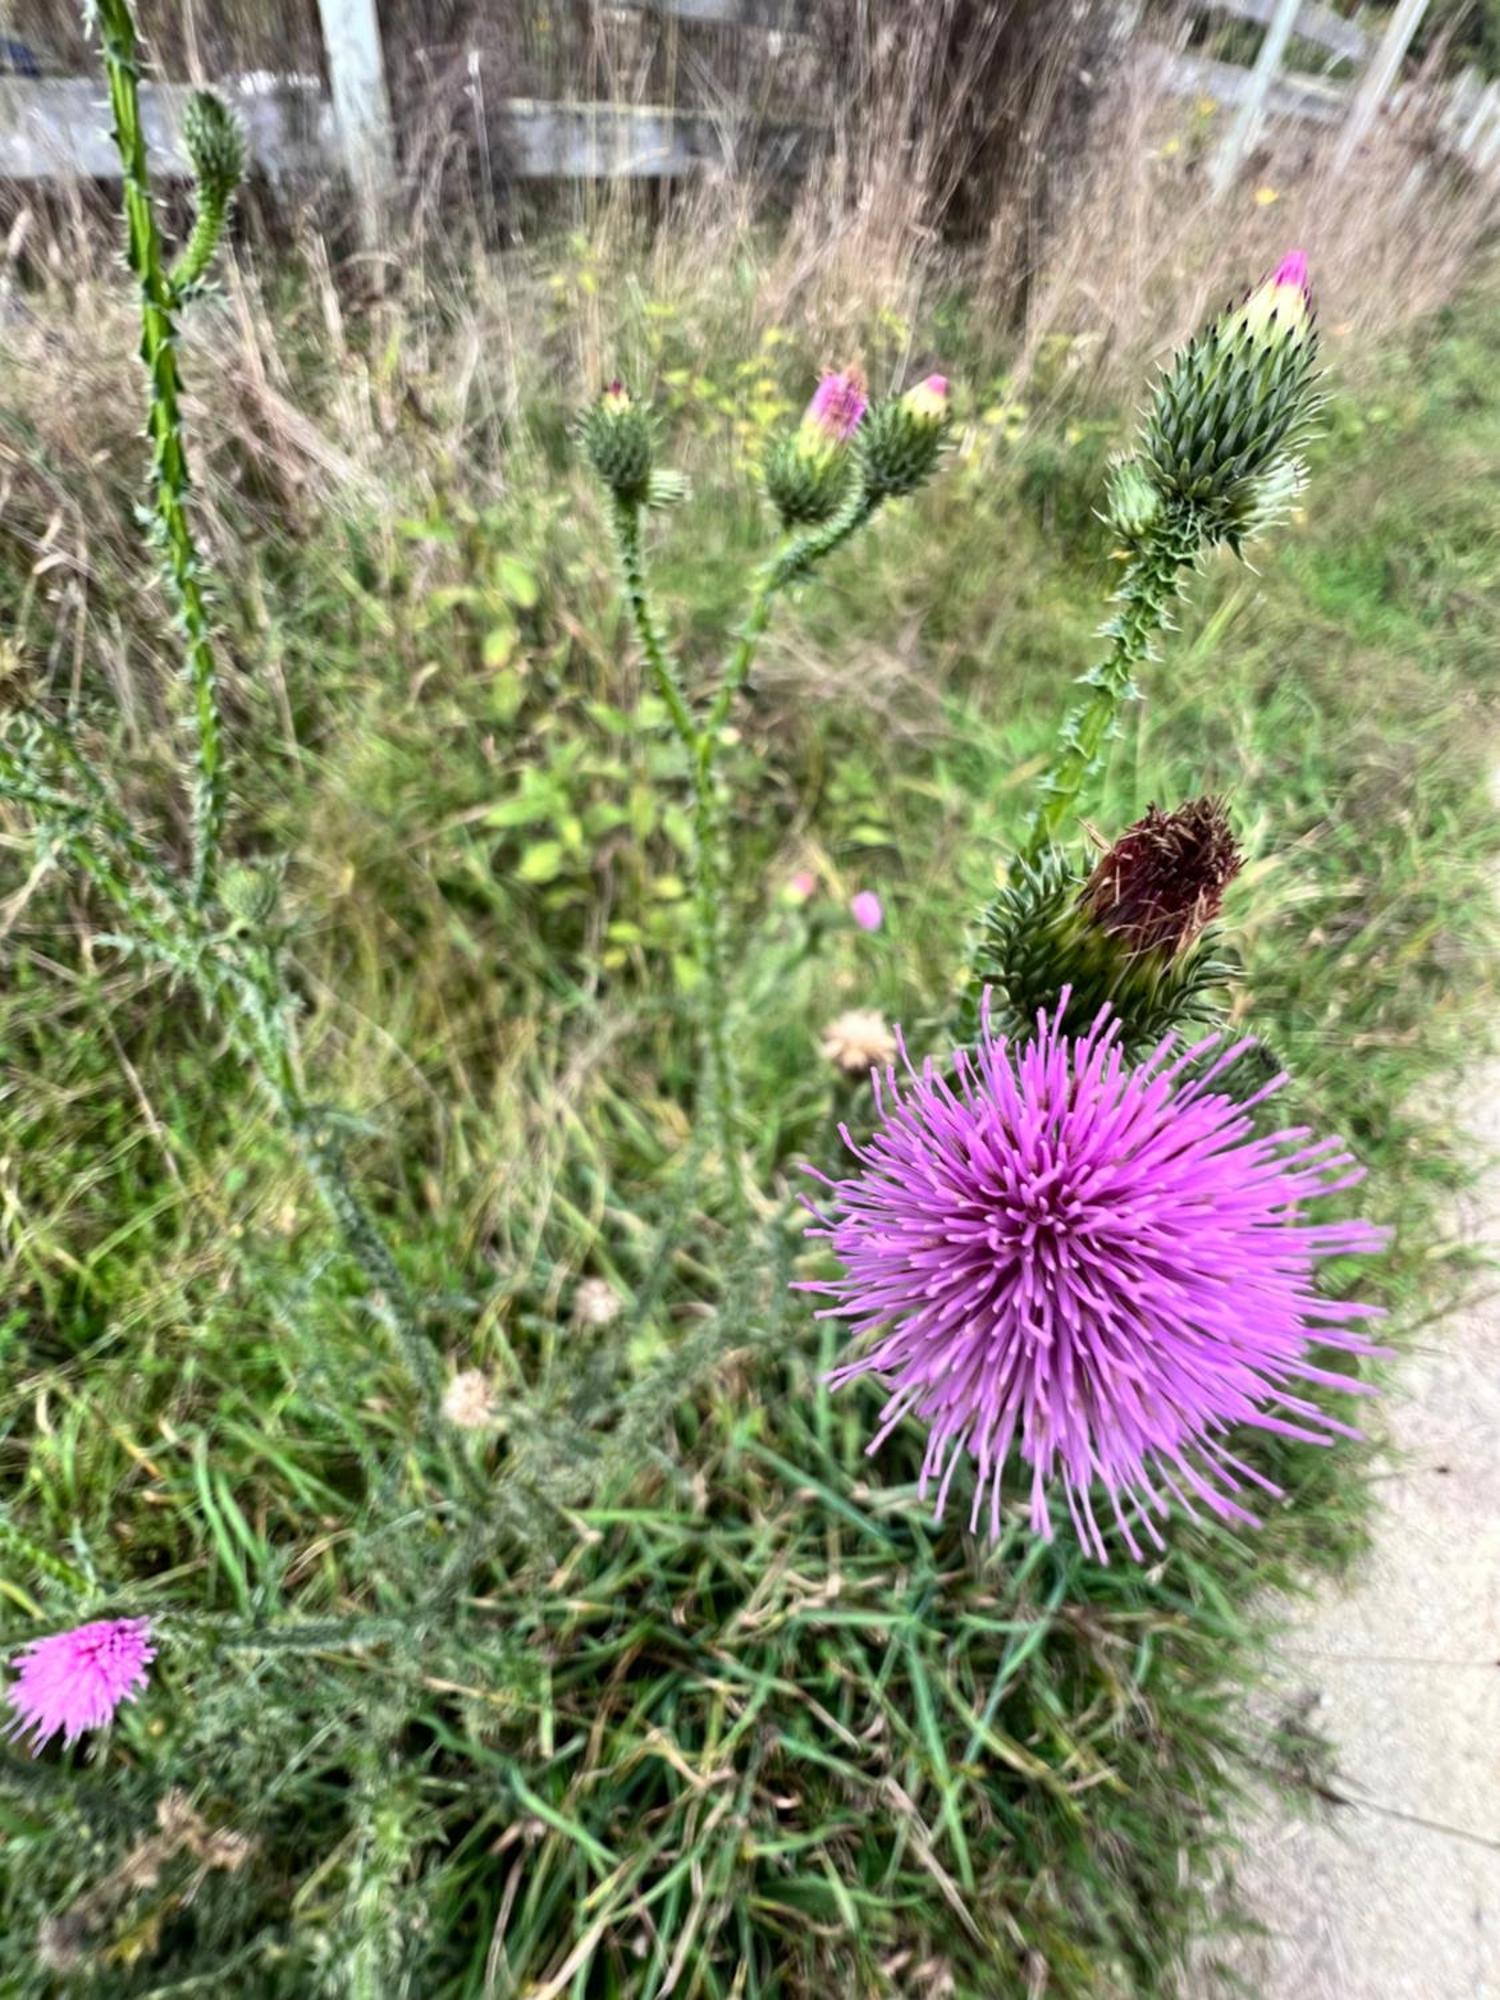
[198, 252]
[170, 483]
[797, 557]
[1145, 596]
[239, 983]
[708, 871]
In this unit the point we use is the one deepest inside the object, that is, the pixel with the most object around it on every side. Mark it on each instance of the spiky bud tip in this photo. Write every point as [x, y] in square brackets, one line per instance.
[215, 146]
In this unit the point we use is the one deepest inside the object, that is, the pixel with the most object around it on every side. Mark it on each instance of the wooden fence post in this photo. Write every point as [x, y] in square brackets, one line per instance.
[1240, 137]
[361, 105]
[1379, 75]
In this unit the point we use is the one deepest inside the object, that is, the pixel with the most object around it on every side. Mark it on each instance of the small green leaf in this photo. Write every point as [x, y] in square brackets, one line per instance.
[515, 581]
[499, 644]
[541, 862]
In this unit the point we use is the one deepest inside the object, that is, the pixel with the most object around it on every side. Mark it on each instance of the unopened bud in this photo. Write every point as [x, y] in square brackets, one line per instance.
[901, 441]
[1235, 401]
[1280, 307]
[1134, 502]
[215, 146]
[617, 435]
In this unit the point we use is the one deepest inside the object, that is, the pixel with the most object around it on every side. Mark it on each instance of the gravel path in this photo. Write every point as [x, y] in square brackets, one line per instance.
[1395, 1895]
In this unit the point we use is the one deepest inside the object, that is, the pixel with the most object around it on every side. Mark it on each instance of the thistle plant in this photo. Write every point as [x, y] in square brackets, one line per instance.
[1219, 461]
[213, 928]
[825, 482]
[1070, 1238]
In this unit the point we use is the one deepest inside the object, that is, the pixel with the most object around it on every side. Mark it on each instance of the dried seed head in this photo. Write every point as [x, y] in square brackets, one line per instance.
[859, 1041]
[1164, 879]
[469, 1400]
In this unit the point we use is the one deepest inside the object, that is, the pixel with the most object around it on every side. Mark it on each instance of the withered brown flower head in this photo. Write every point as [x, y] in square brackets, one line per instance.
[1164, 878]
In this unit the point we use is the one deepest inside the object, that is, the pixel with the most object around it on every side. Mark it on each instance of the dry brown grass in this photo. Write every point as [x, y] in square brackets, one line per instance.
[1143, 249]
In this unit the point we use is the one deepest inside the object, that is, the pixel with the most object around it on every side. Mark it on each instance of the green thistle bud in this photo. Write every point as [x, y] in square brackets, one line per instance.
[619, 439]
[901, 441]
[1235, 401]
[215, 146]
[251, 892]
[806, 481]
[1134, 933]
[1134, 502]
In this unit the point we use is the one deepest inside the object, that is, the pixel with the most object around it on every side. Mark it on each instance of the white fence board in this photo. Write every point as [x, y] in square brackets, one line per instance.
[1314, 23]
[1290, 96]
[58, 127]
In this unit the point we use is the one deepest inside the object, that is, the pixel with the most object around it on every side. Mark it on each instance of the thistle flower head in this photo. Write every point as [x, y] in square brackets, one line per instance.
[1136, 934]
[619, 440]
[1164, 879]
[929, 401]
[1234, 405]
[838, 405]
[73, 1681]
[1100, 1267]
[810, 474]
[867, 910]
[1280, 307]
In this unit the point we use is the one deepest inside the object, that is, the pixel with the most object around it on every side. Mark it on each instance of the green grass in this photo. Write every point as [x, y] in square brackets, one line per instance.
[701, 1702]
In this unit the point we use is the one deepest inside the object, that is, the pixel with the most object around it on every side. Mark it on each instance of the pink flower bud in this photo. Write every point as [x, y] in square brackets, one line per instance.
[929, 400]
[1280, 307]
[866, 910]
[837, 407]
[803, 885]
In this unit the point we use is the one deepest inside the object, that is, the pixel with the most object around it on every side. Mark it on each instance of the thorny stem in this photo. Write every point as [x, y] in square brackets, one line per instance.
[797, 556]
[1145, 596]
[239, 982]
[723, 1078]
[170, 483]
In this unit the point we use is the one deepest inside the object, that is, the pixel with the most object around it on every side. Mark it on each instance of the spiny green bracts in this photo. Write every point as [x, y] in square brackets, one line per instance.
[1236, 401]
[215, 146]
[1038, 936]
[170, 484]
[901, 441]
[806, 481]
[620, 440]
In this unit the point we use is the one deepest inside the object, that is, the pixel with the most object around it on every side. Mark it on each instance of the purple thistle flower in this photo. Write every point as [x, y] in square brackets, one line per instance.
[76, 1680]
[1102, 1265]
[867, 910]
[838, 407]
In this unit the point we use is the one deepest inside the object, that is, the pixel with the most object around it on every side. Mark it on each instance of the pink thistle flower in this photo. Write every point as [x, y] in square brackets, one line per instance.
[73, 1681]
[867, 910]
[1104, 1266]
[802, 886]
[838, 407]
[1292, 270]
